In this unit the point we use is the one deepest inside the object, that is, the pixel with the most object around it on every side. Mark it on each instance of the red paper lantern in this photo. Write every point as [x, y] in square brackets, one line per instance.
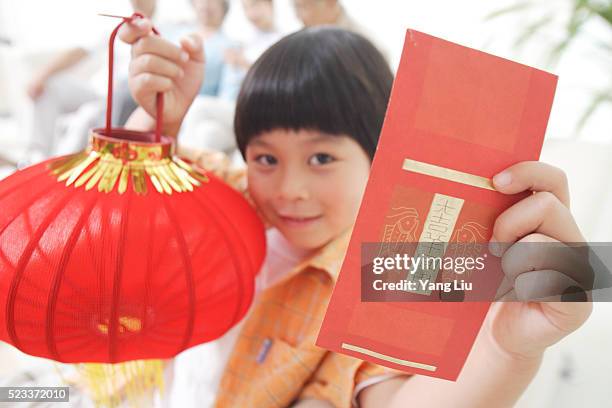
[123, 252]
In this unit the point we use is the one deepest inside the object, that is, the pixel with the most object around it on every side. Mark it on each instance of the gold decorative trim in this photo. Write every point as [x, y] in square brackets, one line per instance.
[111, 163]
[447, 174]
[385, 357]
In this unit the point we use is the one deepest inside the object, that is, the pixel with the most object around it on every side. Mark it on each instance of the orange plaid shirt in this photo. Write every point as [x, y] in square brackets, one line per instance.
[275, 361]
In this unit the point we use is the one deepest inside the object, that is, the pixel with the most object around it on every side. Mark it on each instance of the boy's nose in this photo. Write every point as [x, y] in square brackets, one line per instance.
[292, 187]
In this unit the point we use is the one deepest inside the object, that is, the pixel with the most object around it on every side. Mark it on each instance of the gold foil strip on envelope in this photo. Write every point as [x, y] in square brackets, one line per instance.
[445, 173]
[385, 357]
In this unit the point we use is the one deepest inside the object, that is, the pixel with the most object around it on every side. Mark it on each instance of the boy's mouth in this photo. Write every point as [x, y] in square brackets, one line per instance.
[293, 221]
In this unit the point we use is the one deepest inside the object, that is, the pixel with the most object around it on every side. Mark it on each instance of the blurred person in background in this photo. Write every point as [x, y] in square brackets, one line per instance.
[210, 16]
[325, 12]
[331, 12]
[209, 123]
[260, 14]
[54, 93]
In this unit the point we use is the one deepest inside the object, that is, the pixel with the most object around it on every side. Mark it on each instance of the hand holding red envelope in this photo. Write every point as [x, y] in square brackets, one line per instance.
[457, 117]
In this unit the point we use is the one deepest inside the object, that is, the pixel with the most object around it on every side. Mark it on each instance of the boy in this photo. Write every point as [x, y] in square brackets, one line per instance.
[307, 123]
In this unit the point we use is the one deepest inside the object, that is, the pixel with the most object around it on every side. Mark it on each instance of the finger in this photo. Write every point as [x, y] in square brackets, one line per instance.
[144, 84]
[149, 63]
[535, 176]
[545, 286]
[540, 252]
[132, 31]
[542, 323]
[566, 316]
[541, 212]
[192, 44]
[160, 47]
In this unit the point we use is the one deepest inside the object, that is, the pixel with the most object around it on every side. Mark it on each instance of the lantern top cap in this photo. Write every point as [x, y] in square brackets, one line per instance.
[122, 142]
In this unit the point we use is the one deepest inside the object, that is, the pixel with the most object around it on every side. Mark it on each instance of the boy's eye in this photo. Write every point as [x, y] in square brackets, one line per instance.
[266, 159]
[320, 159]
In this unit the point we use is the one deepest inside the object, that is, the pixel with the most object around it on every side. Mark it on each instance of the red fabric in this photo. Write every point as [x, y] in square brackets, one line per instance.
[72, 260]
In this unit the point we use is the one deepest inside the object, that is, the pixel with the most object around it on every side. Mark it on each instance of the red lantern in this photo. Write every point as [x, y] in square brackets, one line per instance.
[123, 252]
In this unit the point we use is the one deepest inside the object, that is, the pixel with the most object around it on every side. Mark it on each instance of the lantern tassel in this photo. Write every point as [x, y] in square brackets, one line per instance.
[134, 382]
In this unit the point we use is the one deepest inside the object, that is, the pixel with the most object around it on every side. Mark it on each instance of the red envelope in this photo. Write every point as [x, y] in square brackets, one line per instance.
[457, 117]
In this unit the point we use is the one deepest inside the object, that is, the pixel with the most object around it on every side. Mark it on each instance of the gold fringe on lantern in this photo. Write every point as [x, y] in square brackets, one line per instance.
[111, 163]
[128, 384]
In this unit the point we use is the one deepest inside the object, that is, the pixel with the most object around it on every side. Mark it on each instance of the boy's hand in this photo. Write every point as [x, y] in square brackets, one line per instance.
[158, 65]
[525, 329]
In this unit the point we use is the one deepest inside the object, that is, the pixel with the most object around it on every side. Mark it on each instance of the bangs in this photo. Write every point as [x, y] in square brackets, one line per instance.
[323, 79]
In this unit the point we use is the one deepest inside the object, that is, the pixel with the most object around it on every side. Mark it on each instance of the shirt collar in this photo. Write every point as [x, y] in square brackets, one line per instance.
[329, 258]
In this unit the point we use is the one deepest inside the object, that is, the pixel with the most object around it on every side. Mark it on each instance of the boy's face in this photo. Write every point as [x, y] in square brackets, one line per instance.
[307, 184]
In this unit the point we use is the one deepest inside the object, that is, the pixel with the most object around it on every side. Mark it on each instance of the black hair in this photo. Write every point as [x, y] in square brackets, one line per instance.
[322, 78]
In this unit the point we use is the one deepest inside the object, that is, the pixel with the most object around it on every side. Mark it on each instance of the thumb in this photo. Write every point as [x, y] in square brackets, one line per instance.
[194, 47]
